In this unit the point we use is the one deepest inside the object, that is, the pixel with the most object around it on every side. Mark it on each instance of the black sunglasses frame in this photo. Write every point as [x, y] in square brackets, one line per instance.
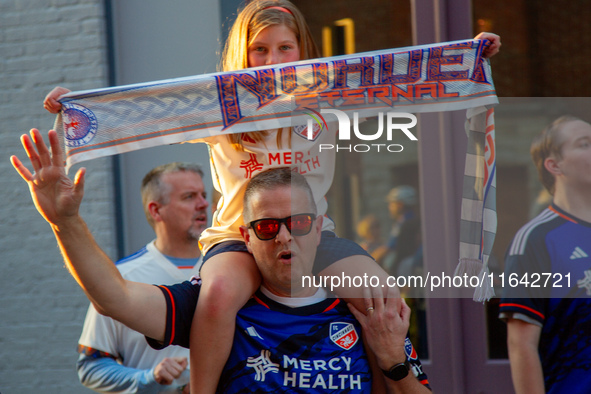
[253, 223]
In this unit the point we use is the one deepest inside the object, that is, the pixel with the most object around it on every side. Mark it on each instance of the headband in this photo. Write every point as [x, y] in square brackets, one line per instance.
[282, 9]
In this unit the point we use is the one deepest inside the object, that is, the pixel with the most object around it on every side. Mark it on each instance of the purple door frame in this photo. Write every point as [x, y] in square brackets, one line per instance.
[456, 327]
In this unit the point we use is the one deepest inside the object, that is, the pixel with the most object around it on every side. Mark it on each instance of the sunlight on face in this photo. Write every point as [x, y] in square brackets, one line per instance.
[273, 45]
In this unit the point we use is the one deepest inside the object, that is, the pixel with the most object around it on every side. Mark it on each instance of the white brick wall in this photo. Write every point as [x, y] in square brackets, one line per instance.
[44, 43]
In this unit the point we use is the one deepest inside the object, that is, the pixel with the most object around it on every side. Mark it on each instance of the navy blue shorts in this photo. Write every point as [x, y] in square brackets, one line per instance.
[330, 250]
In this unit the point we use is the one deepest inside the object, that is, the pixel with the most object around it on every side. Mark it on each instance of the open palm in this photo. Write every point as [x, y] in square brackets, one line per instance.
[55, 195]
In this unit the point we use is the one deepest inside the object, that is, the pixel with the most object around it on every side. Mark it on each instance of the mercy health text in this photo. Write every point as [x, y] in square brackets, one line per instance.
[432, 282]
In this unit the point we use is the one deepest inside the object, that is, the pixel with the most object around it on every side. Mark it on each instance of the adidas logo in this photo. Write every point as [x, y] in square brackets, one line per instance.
[578, 253]
[253, 332]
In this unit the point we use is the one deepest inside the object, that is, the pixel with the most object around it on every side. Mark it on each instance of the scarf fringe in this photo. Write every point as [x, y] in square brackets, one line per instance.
[472, 267]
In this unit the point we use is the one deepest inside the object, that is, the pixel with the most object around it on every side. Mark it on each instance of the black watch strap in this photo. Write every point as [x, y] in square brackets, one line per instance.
[398, 371]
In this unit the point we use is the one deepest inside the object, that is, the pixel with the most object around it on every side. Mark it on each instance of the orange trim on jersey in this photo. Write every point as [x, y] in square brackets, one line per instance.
[257, 299]
[173, 314]
[331, 306]
[562, 215]
[523, 307]
[425, 382]
[92, 352]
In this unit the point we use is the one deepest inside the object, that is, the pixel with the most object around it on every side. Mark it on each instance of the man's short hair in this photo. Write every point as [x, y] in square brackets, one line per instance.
[549, 143]
[153, 189]
[272, 179]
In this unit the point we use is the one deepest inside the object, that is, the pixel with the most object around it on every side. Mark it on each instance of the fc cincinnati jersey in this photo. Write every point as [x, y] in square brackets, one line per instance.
[557, 246]
[232, 169]
[310, 349]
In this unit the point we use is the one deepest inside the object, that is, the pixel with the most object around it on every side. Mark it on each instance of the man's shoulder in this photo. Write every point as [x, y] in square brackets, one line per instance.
[132, 257]
[131, 263]
[534, 231]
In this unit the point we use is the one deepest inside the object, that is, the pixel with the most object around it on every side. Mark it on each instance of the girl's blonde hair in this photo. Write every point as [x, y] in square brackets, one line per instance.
[254, 18]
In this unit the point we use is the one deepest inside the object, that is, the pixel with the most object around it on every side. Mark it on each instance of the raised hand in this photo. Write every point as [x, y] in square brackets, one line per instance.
[56, 196]
[50, 103]
[495, 43]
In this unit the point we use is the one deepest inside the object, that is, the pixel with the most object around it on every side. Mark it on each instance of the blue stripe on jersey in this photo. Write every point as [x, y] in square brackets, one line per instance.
[133, 256]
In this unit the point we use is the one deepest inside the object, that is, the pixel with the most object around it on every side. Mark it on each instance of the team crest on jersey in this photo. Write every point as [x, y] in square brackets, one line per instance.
[314, 126]
[410, 351]
[343, 335]
[302, 131]
[80, 124]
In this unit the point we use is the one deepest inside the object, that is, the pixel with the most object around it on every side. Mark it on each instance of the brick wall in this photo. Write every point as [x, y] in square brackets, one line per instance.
[44, 44]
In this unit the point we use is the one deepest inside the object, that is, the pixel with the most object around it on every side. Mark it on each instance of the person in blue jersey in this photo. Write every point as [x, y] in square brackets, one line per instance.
[114, 358]
[143, 307]
[548, 306]
[295, 338]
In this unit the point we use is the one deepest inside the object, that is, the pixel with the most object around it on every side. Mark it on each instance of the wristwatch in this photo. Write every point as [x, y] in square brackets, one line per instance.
[398, 371]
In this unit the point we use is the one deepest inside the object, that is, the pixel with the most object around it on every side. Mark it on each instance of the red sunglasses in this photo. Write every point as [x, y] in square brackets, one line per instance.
[266, 229]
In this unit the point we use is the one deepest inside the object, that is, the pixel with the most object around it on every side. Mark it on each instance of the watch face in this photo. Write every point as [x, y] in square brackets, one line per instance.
[399, 371]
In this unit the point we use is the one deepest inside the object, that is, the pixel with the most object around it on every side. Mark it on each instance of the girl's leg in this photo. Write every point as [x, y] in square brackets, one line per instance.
[228, 280]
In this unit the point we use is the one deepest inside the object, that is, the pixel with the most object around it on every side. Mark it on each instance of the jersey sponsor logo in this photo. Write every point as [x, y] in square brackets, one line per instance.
[262, 365]
[334, 374]
[251, 165]
[343, 335]
[578, 253]
[80, 124]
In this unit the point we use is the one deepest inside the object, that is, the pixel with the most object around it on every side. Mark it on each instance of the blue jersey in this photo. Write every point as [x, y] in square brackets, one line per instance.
[310, 349]
[554, 246]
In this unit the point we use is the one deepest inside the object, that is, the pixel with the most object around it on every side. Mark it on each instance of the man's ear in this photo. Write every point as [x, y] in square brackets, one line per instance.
[551, 165]
[154, 209]
[318, 225]
[246, 236]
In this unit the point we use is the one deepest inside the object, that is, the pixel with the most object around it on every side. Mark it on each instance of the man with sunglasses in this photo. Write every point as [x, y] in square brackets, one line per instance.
[288, 337]
[293, 337]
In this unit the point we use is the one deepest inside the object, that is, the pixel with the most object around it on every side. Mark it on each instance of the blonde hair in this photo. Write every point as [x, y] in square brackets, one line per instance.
[254, 18]
[549, 143]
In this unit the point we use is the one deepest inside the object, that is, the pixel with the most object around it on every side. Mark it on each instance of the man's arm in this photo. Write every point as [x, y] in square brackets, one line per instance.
[384, 328]
[57, 198]
[103, 343]
[526, 369]
[105, 375]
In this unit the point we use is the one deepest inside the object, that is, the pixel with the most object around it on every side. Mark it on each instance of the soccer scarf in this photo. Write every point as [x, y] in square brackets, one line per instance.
[428, 78]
